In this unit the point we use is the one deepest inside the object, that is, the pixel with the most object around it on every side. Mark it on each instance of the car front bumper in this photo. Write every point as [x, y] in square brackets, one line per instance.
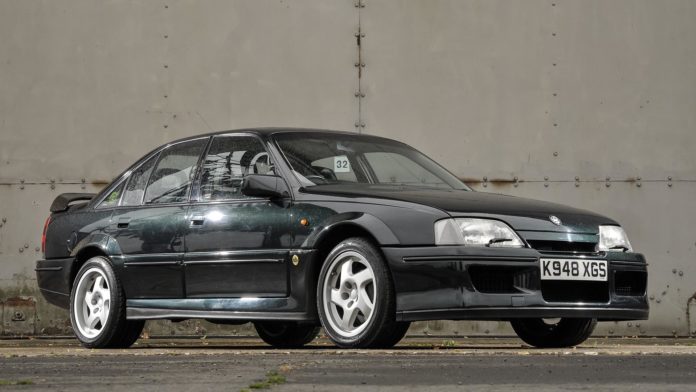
[460, 283]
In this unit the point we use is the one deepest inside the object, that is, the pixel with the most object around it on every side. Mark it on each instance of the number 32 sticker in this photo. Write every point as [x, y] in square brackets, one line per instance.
[341, 164]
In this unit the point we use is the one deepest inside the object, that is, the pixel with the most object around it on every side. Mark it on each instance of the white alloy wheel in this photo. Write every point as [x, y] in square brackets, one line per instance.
[92, 303]
[349, 293]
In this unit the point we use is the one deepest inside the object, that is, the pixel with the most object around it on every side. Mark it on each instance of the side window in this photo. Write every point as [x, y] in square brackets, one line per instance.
[171, 180]
[112, 199]
[133, 195]
[229, 159]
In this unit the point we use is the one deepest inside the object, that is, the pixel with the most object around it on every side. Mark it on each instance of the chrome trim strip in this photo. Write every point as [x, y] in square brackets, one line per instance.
[450, 258]
[133, 313]
[231, 261]
[148, 263]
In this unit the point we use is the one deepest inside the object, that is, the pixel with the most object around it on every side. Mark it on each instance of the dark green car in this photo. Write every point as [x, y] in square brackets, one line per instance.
[299, 229]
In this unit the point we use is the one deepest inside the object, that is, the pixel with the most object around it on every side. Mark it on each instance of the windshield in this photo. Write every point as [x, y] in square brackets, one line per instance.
[320, 158]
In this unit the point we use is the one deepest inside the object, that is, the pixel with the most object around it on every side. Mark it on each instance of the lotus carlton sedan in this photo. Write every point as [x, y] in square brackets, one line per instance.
[294, 230]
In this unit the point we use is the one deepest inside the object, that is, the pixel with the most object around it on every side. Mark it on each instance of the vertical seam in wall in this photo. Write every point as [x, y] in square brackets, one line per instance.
[359, 65]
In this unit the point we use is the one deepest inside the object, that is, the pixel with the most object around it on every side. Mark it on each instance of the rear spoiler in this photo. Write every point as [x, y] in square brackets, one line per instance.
[62, 202]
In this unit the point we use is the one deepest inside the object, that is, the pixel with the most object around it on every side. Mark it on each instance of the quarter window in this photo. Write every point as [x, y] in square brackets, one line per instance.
[171, 180]
[135, 189]
[113, 198]
[229, 159]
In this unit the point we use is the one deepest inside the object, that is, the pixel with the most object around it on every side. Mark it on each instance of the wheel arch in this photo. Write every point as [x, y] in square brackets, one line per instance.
[342, 227]
[91, 246]
[376, 229]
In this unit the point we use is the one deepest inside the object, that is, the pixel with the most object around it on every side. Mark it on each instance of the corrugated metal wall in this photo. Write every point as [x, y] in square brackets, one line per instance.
[589, 103]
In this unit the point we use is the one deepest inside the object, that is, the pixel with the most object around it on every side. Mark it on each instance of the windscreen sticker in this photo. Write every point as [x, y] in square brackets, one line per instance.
[341, 164]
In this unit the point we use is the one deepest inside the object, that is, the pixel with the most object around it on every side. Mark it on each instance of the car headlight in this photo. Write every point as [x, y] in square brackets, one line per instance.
[476, 232]
[613, 238]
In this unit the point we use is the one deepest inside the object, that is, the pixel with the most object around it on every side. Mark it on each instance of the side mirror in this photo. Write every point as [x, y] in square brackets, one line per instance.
[259, 185]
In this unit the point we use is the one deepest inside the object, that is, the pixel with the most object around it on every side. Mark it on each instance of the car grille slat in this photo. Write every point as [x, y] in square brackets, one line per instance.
[563, 246]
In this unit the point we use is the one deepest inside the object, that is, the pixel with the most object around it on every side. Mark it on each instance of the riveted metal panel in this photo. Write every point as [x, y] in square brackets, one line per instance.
[105, 82]
[588, 103]
[19, 316]
[89, 87]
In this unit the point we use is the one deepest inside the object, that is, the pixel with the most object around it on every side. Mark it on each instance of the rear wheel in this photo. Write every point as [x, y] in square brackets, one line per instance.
[98, 308]
[355, 297]
[545, 333]
[286, 334]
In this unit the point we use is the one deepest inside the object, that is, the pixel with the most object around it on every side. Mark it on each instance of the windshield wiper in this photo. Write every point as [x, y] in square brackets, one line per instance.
[497, 241]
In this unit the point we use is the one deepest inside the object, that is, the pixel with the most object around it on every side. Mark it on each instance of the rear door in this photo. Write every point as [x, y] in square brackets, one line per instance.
[150, 224]
[235, 245]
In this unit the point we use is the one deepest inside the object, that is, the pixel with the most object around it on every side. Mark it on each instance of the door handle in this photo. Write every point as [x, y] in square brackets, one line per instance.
[123, 222]
[197, 220]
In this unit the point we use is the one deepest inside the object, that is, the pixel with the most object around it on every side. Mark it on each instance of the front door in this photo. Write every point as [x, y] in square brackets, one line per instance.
[151, 221]
[236, 246]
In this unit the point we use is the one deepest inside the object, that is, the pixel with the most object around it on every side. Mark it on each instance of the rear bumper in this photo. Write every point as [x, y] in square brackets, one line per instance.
[444, 283]
[53, 277]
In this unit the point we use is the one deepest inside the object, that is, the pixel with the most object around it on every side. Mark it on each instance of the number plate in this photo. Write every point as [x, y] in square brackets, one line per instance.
[563, 269]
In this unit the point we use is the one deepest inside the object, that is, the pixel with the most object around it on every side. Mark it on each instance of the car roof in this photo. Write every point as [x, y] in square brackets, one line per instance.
[268, 131]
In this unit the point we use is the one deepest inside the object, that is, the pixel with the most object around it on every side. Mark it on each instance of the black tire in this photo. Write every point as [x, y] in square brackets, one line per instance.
[117, 332]
[131, 333]
[394, 336]
[378, 331]
[282, 334]
[567, 332]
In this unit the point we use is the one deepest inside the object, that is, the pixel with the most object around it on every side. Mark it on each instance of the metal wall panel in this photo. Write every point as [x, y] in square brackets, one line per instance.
[105, 82]
[589, 103]
[90, 86]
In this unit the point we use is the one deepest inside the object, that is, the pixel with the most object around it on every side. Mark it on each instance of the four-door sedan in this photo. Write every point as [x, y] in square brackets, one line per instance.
[299, 229]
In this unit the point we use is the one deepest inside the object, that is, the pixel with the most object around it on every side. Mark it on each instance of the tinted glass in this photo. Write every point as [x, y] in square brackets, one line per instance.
[229, 159]
[390, 167]
[319, 158]
[171, 180]
[135, 189]
[112, 199]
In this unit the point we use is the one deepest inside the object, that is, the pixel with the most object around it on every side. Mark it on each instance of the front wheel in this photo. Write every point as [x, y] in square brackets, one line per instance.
[98, 308]
[286, 334]
[355, 297]
[544, 333]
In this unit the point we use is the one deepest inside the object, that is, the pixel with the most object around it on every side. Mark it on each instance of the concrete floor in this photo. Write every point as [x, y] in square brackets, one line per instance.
[417, 364]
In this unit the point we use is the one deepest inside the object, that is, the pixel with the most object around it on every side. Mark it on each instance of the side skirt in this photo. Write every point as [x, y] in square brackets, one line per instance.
[248, 309]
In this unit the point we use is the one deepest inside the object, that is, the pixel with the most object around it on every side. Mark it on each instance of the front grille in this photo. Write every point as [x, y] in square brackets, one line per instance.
[570, 291]
[563, 246]
[503, 279]
[630, 283]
